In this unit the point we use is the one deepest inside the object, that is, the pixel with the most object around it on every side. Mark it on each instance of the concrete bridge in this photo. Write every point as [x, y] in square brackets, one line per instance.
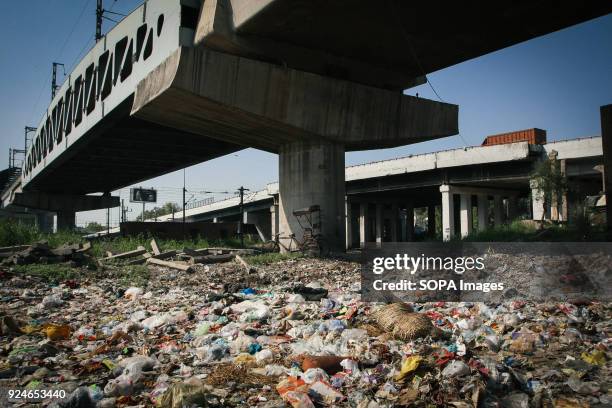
[178, 82]
[491, 183]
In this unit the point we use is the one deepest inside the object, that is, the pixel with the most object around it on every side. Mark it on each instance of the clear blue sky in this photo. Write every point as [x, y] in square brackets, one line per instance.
[556, 82]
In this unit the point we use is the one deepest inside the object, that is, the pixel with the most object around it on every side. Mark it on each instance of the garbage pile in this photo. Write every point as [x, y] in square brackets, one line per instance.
[291, 334]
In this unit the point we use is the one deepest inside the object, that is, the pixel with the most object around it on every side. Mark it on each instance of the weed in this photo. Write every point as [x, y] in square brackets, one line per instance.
[54, 273]
[272, 257]
[135, 275]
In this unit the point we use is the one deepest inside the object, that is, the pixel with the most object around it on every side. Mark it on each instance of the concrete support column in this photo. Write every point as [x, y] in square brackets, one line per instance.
[348, 223]
[409, 222]
[273, 220]
[564, 210]
[483, 212]
[363, 224]
[465, 214]
[379, 223]
[606, 140]
[260, 220]
[512, 208]
[448, 213]
[44, 222]
[312, 173]
[66, 220]
[394, 221]
[498, 210]
[431, 220]
[537, 202]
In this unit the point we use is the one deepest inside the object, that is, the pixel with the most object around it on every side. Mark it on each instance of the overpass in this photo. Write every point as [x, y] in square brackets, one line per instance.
[493, 182]
[178, 82]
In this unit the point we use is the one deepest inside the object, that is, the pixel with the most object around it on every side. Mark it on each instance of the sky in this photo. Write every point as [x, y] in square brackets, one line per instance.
[556, 82]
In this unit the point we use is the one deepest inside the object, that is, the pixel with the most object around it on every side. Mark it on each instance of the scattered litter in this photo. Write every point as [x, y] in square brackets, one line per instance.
[203, 330]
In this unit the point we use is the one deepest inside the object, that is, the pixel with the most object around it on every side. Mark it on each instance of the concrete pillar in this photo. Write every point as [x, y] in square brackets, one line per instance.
[348, 223]
[431, 220]
[363, 224]
[483, 212]
[66, 220]
[512, 208]
[606, 140]
[409, 222]
[537, 202]
[312, 173]
[394, 221]
[564, 210]
[448, 213]
[498, 210]
[465, 214]
[44, 222]
[273, 220]
[379, 223]
[262, 223]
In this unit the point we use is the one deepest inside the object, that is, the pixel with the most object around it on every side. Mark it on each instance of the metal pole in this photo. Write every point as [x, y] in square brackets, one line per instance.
[143, 210]
[99, 14]
[240, 224]
[122, 218]
[54, 81]
[28, 129]
[54, 86]
[107, 220]
[184, 192]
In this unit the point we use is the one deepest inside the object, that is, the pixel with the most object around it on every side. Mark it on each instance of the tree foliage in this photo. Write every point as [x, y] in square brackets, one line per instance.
[167, 208]
[548, 178]
[94, 227]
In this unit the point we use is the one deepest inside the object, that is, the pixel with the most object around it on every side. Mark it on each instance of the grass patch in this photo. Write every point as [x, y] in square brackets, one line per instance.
[14, 232]
[521, 232]
[118, 245]
[54, 273]
[272, 257]
[135, 275]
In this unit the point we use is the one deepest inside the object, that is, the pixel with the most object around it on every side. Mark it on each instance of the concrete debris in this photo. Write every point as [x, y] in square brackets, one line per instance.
[170, 264]
[154, 247]
[42, 253]
[245, 265]
[223, 336]
[129, 254]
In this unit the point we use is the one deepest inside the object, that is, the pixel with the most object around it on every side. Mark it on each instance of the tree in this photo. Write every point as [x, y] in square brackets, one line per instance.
[549, 181]
[167, 208]
[94, 227]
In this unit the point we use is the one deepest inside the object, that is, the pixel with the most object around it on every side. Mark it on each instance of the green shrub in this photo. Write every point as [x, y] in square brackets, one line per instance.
[14, 232]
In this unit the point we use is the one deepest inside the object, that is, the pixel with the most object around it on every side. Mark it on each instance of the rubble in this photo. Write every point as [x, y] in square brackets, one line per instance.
[290, 333]
[42, 253]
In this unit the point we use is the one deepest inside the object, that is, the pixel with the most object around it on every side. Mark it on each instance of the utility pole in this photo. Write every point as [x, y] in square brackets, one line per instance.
[26, 139]
[54, 86]
[184, 204]
[99, 15]
[124, 211]
[241, 190]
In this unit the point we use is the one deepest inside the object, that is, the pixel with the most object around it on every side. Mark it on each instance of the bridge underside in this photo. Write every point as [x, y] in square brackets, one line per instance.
[123, 150]
[387, 43]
